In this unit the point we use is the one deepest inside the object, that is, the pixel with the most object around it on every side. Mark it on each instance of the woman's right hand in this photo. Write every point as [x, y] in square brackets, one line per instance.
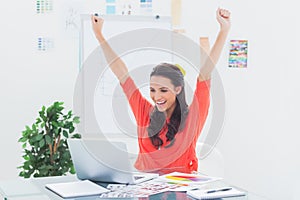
[97, 24]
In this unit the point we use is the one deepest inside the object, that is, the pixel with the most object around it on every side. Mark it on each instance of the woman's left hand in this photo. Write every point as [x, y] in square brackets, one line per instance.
[223, 17]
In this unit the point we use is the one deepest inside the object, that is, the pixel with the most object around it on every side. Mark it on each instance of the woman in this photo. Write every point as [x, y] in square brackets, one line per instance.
[167, 131]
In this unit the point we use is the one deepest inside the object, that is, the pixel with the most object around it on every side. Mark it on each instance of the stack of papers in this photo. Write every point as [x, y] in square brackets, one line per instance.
[76, 189]
[175, 181]
[215, 193]
[142, 190]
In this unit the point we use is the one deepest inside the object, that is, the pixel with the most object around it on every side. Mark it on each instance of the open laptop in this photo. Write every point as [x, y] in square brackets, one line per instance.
[100, 160]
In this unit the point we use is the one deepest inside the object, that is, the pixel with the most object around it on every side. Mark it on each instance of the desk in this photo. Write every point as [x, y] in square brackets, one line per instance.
[34, 189]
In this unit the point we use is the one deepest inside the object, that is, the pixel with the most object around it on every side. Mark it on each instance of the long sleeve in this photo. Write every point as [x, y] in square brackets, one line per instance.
[199, 107]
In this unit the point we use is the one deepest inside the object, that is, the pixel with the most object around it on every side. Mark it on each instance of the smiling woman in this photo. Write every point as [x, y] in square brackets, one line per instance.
[168, 94]
[168, 130]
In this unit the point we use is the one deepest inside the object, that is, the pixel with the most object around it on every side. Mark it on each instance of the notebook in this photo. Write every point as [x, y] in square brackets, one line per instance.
[76, 189]
[215, 193]
[104, 161]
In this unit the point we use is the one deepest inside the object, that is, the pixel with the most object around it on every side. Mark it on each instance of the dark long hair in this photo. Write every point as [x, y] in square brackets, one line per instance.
[177, 120]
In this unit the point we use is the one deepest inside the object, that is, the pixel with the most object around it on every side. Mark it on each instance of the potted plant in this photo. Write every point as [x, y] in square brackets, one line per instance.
[45, 146]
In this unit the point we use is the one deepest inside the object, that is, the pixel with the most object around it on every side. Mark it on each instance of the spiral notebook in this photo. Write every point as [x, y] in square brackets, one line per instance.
[215, 193]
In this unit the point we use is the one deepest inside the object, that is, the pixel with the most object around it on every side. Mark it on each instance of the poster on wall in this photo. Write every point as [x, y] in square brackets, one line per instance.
[238, 53]
[44, 6]
[45, 44]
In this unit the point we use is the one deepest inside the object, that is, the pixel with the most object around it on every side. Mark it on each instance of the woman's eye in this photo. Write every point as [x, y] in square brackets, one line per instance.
[152, 90]
[164, 90]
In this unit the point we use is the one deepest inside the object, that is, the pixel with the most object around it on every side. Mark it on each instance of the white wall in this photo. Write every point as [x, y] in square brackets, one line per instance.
[260, 142]
[30, 79]
[260, 139]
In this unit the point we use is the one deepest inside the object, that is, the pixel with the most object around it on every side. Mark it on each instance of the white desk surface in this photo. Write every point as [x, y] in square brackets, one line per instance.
[34, 189]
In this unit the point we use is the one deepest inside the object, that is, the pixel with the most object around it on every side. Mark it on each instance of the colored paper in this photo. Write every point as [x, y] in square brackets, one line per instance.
[44, 44]
[187, 179]
[238, 53]
[44, 6]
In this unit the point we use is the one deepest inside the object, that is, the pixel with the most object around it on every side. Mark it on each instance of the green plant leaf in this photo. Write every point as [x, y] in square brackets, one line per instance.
[48, 139]
[31, 141]
[36, 145]
[42, 114]
[76, 120]
[54, 124]
[24, 133]
[38, 137]
[27, 128]
[66, 134]
[27, 175]
[77, 135]
[72, 169]
[26, 157]
[56, 131]
[38, 120]
[60, 124]
[66, 155]
[69, 115]
[22, 139]
[67, 125]
[26, 165]
[56, 156]
[71, 129]
[33, 127]
[60, 104]
[42, 143]
[22, 173]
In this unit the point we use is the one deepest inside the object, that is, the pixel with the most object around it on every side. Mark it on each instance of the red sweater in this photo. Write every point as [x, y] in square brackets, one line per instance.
[181, 156]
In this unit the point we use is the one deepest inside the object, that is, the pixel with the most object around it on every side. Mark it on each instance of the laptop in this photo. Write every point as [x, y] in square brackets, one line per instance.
[100, 160]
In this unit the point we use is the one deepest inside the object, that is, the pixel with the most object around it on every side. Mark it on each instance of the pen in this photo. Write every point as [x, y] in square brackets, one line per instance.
[219, 190]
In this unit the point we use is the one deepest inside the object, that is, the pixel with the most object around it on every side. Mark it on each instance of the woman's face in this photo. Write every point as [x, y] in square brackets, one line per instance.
[163, 93]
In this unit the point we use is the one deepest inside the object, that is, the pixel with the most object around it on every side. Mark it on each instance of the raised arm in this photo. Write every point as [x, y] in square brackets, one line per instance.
[116, 64]
[223, 17]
